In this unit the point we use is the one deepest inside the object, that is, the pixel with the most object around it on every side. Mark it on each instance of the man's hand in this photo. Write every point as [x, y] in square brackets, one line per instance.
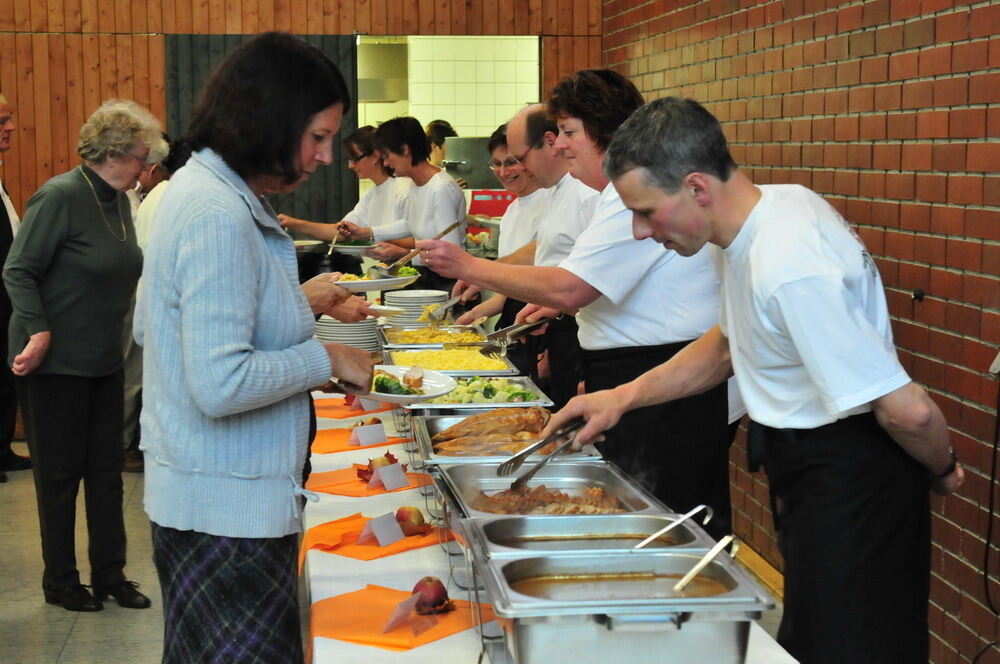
[385, 251]
[33, 354]
[351, 366]
[323, 294]
[445, 258]
[601, 410]
[949, 483]
[532, 312]
[490, 307]
[351, 231]
[291, 223]
[466, 290]
[352, 310]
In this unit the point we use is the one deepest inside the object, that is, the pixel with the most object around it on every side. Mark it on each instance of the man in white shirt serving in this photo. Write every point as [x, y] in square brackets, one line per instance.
[850, 444]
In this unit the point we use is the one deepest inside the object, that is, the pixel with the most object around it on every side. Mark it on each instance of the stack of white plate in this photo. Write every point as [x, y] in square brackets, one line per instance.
[412, 302]
[360, 335]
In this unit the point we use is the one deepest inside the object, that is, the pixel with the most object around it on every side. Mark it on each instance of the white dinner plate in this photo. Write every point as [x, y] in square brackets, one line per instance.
[377, 284]
[383, 310]
[436, 384]
[351, 249]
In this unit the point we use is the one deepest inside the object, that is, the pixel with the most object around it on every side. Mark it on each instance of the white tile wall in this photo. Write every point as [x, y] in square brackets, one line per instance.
[475, 83]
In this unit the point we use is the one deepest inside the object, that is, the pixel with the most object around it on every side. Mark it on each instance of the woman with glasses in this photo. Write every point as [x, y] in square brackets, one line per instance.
[516, 245]
[387, 201]
[71, 274]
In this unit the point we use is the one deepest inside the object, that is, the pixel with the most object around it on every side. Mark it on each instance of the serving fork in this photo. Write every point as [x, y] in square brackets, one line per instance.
[376, 272]
[496, 344]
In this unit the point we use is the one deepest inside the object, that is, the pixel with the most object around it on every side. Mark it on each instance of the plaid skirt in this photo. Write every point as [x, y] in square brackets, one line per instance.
[228, 599]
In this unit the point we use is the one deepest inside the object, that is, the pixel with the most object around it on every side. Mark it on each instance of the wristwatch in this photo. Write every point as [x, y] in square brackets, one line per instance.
[951, 465]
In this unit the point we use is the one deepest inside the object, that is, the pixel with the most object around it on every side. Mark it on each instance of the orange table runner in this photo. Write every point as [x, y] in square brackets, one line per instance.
[329, 441]
[340, 536]
[345, 482]
[338, 409]
[359, 616]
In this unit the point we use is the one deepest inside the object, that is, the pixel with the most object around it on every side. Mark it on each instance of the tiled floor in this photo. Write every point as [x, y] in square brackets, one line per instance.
[33, 632]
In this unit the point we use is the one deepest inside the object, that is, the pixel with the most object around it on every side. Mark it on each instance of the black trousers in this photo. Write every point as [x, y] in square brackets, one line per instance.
[678, 451]
[565, 361]
[523, 355]
[74, 430]
[854, 530]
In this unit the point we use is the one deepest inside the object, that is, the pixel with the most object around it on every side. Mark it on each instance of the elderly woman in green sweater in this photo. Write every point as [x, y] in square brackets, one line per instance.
[71, 274]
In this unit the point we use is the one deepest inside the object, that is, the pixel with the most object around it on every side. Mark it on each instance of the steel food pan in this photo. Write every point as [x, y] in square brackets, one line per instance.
[518, 536]
[424, 427]
[466, 480]
[522, 382]
[508, 370]
[589, 621]
[385, 335]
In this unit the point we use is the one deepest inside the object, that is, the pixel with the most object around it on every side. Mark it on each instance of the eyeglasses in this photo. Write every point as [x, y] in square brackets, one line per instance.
[509, 162]
[355, 159]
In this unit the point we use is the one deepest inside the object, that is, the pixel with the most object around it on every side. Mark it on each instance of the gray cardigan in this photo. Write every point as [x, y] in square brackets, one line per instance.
[228, 360]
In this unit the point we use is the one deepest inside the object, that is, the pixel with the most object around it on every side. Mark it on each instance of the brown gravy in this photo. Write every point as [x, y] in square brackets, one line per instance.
[637, 585]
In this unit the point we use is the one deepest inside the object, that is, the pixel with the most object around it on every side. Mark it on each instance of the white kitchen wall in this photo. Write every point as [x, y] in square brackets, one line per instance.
[475, 83]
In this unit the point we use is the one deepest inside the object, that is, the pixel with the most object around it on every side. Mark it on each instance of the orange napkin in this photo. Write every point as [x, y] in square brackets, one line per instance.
[345, 482]
[359, 616]
[340, 536]
[335, 440]
[337, 409]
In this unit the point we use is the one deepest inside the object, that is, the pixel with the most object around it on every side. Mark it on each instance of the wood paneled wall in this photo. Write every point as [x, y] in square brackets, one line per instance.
[60, 58]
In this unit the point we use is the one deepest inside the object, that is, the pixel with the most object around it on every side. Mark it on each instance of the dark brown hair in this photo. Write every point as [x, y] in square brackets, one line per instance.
[600, 98]
[259, 101]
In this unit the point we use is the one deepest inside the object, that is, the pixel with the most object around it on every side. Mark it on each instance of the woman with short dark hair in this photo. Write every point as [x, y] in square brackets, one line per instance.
[229, 356]
[387, 201]
[436, 199]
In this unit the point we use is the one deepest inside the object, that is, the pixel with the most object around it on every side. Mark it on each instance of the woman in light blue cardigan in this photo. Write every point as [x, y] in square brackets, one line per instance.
[229, 357]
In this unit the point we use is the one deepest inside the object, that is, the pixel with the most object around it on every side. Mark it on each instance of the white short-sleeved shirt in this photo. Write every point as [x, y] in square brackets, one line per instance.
[383, 203]
[804, 310]
[519, 223]
[649, 295]
[433, 207]
[571, 209]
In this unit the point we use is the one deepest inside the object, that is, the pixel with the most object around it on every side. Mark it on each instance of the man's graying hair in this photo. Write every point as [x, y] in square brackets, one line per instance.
[669, 138]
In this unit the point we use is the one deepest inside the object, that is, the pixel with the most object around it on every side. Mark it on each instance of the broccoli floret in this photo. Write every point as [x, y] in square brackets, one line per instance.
[389, 385]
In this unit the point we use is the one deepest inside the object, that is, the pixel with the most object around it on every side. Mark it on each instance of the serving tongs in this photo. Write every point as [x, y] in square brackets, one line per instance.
[673, 524]
[496, 344]
[509, 466]
[436, 315]
[376, 272]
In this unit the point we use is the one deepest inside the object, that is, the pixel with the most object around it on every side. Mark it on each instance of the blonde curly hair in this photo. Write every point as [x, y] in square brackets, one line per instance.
[117, 128]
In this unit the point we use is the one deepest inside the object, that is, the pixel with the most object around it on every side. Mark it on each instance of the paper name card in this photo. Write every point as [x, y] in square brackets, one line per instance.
[405, 612]
[369, 434]
[389, 477]
[383, 529]
[369, 404]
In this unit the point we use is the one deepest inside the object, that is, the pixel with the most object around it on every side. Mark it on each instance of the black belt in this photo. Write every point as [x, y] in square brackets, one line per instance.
[616, 353]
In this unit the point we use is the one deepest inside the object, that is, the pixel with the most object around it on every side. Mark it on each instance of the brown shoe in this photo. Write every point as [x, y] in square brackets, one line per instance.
[134, 462]
[74, 598]
[125, 592]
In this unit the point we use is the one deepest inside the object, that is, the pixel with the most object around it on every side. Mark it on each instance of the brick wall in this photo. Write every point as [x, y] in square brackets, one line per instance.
[890, 109]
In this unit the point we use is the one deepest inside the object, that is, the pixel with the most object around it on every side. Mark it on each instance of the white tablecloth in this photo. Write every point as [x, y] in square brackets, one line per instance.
[328, 574]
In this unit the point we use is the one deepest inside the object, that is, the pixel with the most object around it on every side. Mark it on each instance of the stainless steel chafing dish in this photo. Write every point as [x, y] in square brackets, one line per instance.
[508, 370]
[424, 427]
[522, 382]
[518, 536]
[618, 607]
[385, 335]
[463, 481]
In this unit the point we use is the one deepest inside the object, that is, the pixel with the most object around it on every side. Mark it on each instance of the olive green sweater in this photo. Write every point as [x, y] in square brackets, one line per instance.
[68, 273]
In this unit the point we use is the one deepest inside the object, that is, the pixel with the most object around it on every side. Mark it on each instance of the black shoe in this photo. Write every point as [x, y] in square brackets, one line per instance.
[15, 462]
[3, 477]
[133, 461]
[74, 598]
[126, 593]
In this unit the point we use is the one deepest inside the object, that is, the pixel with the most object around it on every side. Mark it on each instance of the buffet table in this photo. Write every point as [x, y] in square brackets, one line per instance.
[328, 574]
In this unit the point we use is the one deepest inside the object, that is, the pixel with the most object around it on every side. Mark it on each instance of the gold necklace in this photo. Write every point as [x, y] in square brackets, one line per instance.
[121, 217]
